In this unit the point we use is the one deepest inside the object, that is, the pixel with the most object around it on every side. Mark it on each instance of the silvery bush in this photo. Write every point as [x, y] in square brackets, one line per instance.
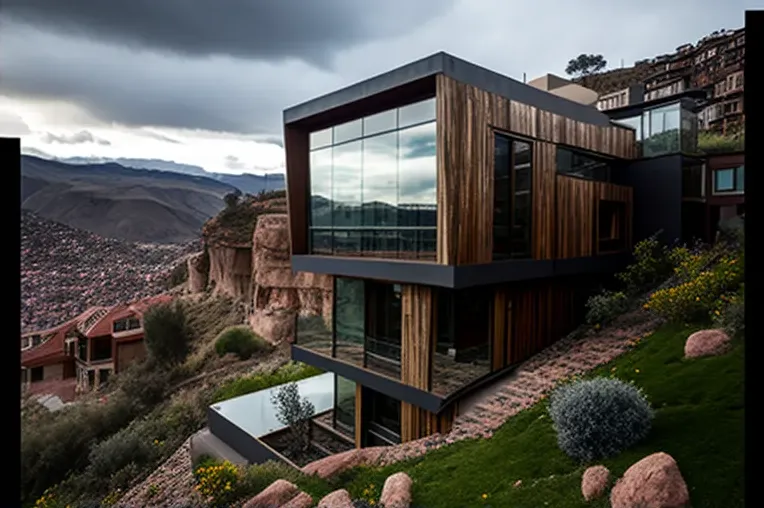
[599, 418]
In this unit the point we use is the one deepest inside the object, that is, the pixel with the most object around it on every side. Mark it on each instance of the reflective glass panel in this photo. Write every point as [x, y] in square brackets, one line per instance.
[416, 113]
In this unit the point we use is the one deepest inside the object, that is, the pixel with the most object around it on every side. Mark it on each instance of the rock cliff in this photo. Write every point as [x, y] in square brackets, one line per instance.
[256, 268]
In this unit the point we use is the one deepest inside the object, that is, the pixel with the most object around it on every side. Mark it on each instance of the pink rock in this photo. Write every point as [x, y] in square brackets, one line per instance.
[396, 493]
[337, 499]
[518, 483]
[706, 343]
[276, 494]
[301, 500]
[594, 482]
[334, 464]
[653, 482]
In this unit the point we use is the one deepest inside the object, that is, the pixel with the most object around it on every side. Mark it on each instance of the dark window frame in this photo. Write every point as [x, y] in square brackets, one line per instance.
[734, 189]
[36, 374]
[509, 251]
[610, 163]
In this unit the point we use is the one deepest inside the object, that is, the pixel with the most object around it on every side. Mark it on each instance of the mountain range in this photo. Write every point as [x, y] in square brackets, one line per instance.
[246, 182]
[112, 200]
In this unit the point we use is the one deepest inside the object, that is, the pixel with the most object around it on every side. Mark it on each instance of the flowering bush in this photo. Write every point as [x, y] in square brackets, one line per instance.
[729, 313]
[695, 299]
[599, 418]
[369, 496]
[218, 482]
[603, 308]
[652, 264]
[49, 500]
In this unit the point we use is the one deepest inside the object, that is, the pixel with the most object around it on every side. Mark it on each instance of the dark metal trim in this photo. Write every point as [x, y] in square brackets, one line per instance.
[252, 449]
[370, 379]
[453, 67]
[455, 277]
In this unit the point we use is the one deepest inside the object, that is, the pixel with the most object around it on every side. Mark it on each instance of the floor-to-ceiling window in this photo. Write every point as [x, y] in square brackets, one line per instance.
[512, 219]
[373, 185]
[344, 404]
[383, 419]
[349, 309]
[383, 328]
[462, 349]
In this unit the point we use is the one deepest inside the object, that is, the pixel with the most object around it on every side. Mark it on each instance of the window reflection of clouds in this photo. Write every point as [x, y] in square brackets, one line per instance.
[418, 169]
[380, 169]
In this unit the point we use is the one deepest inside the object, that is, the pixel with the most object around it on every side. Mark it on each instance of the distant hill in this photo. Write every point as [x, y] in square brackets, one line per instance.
[114, 201]
[246, 182]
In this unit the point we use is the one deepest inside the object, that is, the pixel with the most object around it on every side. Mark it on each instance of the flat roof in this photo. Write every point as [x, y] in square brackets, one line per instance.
[455, 68]
[688, 98]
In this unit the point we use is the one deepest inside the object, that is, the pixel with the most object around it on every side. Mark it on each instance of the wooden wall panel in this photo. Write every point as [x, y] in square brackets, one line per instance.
[536, 315]
[543, 200]
[418, 336]
[417, 423]
[576, 200]
[297, 148]
[467, 120]
[358, 415]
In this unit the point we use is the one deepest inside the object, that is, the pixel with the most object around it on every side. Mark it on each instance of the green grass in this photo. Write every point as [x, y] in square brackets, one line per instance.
[254, 383]
[699, 421]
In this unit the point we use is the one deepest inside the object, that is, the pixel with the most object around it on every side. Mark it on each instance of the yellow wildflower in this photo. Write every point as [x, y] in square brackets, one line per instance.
[485, 496]
[636, 370]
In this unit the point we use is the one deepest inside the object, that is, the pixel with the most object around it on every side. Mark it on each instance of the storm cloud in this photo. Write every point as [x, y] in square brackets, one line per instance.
[312, 31]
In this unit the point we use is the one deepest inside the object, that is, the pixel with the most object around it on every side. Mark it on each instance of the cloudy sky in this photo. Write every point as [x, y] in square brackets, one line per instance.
[204, 82]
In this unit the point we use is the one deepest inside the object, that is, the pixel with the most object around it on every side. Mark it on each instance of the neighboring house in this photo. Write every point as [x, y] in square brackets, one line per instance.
[99, 342]
[464, 217]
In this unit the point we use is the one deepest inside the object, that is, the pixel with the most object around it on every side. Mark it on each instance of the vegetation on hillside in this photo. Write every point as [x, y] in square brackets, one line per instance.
[712, 142]
[97, 447]
[240, 341]
[696, 412]
[235, 224]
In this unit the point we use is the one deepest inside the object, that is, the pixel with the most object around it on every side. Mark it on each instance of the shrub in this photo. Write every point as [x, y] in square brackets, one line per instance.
[603, 308]
[652, 264]
[711, 142]
[259, 476]
[694, 300]
[118, 451]
[144, 384]
[178, 275]
[167, 333]
[599, 418]
[729, 313]
[295, 412]
[218, 483]
[241, 341]
[292, 371]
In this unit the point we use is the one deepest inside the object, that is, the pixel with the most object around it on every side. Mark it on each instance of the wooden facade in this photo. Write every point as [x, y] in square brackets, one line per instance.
[467, 120]
[417, 423]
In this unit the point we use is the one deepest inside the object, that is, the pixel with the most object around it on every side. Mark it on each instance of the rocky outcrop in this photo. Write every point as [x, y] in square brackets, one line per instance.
[230, 270]
[334, 464]
[278, 294]
[653, 482]
[396, 493]
[594, 482]
[706, 343]
[197, 272]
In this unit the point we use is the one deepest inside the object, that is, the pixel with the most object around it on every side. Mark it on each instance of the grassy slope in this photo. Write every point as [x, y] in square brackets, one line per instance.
[699, 421]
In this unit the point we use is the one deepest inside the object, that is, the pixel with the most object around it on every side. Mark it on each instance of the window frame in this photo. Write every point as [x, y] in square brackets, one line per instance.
[735, 188]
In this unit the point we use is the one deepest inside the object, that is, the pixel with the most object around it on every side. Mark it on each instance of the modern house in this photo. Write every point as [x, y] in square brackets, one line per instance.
[464, 216]
[99, 342]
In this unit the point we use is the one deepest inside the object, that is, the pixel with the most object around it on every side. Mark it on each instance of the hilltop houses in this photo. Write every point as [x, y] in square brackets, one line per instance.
[88, 348]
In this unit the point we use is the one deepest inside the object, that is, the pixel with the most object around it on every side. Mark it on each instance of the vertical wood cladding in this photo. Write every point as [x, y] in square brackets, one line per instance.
[467, 120]
[358, 415]
[529, 318]
[417, 423]
[578, 213]
[418, 335]
[297, 148]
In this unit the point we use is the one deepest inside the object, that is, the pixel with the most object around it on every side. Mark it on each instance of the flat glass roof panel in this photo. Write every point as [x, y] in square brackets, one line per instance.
[255, 413]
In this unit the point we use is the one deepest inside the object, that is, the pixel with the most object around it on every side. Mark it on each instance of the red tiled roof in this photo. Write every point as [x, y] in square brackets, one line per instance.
[141, 306]
[50, 351]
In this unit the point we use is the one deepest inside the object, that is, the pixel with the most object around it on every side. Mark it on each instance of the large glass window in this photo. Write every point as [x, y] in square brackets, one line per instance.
[660, 127]
[344, 403]
[512, 198]
[373, 185]
[349, 307]
[462, 350]
[384, 419]
[583, 165]
[383, 328]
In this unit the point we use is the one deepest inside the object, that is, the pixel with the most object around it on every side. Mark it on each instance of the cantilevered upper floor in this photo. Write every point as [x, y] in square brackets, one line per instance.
[444, 173]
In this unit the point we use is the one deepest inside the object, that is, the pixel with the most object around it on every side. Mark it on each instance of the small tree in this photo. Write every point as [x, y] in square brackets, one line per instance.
[167, 333]
[585, 65]
[232, 199]
[295, 412]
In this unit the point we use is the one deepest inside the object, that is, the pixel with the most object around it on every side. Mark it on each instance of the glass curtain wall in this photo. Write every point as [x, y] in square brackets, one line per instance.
[661, 128]
[373, 185]
[344, 404]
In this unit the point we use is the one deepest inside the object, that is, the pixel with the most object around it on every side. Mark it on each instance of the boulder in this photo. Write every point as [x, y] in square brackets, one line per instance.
[706, 343]
[653, 482]
[396, 493]
[594, 482]
[337, 499]
[301, 500]
[276, 494]
[339, 462]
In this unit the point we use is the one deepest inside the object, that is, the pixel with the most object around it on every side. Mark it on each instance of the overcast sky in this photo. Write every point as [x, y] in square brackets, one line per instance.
[204, 82]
